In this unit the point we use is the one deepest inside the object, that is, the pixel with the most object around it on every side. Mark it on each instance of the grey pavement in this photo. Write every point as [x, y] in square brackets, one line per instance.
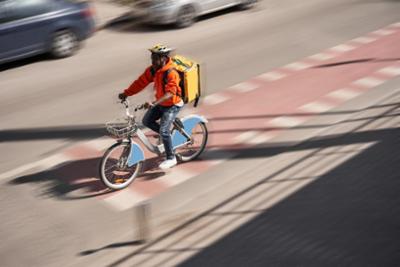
[330, 200]
[46, 222]
[274, 34]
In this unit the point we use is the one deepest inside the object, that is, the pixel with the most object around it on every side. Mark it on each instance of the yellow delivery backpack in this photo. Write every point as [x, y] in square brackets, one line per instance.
[189, 72]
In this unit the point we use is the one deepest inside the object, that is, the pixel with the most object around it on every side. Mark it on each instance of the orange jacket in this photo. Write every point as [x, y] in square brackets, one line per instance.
[171, 86]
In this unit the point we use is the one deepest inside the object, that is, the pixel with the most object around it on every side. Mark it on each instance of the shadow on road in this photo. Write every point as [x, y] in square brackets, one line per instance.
[348, 216]
[357, 61]
[79, 179]
[98, 130]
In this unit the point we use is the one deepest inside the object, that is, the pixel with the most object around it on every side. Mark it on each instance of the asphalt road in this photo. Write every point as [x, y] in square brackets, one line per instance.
[46, 104]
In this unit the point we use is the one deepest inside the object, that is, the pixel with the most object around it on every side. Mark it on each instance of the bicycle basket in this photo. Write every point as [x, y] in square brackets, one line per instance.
[120, 129]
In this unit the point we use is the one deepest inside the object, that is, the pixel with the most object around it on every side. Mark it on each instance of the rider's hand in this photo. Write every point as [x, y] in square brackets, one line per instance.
[148, 105]
[122, 96]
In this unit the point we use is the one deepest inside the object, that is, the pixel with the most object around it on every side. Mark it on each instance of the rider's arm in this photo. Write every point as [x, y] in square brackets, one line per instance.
[140, 83]
[163, 98]
[171, 87]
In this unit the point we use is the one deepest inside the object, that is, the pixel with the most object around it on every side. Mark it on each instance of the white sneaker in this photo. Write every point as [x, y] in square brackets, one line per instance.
[169, 163]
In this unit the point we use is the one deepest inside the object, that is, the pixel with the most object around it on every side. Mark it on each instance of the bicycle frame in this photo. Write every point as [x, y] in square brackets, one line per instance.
[179, 136]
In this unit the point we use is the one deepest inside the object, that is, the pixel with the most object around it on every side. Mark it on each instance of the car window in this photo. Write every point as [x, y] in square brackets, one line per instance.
[30, 8]
[20, 9]
[5, 11]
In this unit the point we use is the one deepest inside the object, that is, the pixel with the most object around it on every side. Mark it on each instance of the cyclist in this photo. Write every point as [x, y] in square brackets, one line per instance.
[167, 93]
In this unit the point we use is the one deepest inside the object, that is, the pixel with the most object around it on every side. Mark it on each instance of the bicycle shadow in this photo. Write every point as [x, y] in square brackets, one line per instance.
[79, 179]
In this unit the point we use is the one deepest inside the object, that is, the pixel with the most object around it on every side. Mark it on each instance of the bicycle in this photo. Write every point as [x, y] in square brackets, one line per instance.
[122, 162]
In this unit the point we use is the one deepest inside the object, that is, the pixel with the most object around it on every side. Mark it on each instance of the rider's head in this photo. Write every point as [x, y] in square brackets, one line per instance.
[159, 55]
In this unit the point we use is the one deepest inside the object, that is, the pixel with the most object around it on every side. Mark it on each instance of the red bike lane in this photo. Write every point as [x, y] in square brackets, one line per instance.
[251, 113]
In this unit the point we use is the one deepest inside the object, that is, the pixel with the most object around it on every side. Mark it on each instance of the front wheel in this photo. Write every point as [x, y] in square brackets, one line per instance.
[114, 170]
[193, 149]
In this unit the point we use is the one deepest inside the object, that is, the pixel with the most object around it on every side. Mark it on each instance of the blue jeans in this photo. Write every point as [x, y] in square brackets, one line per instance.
[167, 116]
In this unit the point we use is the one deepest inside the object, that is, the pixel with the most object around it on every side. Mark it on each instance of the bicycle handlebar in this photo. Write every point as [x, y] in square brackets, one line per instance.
[125, 102]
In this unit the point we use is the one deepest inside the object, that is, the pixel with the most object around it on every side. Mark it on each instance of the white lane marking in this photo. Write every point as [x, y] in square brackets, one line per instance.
[123, 200]
[215, 156]
[396, 25]
[343, 94]
[260, 139]
[286, 121]
[244, 87]
[253, 137]
[214, 99]
[297, 66]
[316, 107]
[364, 40]
[271, 76]
[342, 48]
[100, 144]
[176, 177]
[368, 82]
[322, 56]
[390, 71]
[244, 137]
[41, 165]
[383, 32]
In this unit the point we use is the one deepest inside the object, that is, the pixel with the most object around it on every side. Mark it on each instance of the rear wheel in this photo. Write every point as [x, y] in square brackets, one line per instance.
[64, 44]
[192, 150]
[186, 17]
[114, 170]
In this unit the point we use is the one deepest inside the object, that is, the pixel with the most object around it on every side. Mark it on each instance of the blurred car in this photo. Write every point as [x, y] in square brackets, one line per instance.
[31, 27]
[182, 13]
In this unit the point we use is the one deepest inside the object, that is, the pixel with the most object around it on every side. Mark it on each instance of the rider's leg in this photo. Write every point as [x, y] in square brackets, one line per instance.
[150, 118]
[167, 119]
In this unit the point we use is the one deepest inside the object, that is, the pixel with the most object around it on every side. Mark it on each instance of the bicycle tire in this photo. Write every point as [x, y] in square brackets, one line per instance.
[188, 157]
[127, 178]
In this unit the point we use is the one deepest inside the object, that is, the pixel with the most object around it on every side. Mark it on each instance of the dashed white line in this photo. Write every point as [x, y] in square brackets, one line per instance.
[383, 32]
[316, 107]
[244, 87]
[297, 66]
[342, 48]
[343, 94]
[390, 71]
[368, 82]
[214, 99]
[176, 177]
[41, 165]
[259, 139]
[123, 200]
[100, 143]
[271, 76]
[396, 25]
[242, 138]
[286, 121]
[364, 40]
[322, 56]
[215, 156]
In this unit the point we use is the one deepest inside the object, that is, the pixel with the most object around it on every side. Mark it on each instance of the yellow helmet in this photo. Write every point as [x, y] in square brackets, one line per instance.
[160, 49]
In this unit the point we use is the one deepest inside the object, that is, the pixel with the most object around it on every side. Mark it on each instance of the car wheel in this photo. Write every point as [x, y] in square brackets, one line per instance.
[186, 17]
[247, 4]
[64, 44]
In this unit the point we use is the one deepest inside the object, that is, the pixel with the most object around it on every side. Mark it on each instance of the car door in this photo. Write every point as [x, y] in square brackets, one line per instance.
[26, 28]
[212, 5]
[7, 45]
[209, 5]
